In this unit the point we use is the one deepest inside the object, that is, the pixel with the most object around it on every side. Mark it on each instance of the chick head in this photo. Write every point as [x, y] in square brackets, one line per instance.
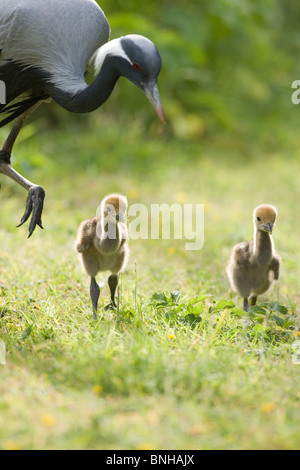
[114, 207]
[264, 217]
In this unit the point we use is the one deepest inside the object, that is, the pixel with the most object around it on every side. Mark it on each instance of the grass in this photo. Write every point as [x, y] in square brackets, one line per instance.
[179, 366]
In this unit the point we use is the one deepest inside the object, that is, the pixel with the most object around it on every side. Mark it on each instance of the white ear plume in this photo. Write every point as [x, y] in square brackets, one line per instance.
[113, 48]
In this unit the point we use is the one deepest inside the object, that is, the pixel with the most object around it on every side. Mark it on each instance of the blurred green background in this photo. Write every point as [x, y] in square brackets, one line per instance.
[227, 64]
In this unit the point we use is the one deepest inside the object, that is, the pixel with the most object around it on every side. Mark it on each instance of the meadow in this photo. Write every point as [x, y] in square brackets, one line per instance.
[179, 365]
[177, 359]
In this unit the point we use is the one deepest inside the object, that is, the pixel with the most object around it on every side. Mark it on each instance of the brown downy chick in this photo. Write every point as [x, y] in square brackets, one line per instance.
[254, 265]
[102, 243]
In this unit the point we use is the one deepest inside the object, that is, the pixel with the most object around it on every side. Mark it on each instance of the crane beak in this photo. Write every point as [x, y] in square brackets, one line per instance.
[151, 91]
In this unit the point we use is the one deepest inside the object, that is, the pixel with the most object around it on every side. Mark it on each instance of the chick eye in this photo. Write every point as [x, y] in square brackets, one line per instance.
[136, 66]
[259, 219]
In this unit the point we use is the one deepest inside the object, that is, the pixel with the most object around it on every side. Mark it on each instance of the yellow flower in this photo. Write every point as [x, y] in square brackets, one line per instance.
[133, 194]
[11, 445]
[171, 250]
[97, 388]
[171, 336]
[181, 197]
[48, 420]
[297, 333]
[268, 407]
[144, 446]
[196, 429]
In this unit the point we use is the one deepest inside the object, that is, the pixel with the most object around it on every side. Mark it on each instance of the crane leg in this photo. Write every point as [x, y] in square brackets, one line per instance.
[95, 294]
[36, 194]
[112, 283]
[253, 300]
[245, 304]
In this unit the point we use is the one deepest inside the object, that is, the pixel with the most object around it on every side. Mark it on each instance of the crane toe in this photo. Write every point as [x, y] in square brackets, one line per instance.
[34, 206]
[111, 306]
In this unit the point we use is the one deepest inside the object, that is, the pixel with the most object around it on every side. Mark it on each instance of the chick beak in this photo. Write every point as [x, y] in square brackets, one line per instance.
[120, 217]
[269, 227]
[151, 91]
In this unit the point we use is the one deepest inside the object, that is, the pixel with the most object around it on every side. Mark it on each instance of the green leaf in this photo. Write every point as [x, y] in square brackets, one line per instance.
[238, 312]
[171, 315]
[224, 304]
[199, 298]
[275, 306]
[259, 319]
[178, 308]
[191, 319]
[159, 298]
[279, 321]
[257, 309]
[175, 295]
[196, 309]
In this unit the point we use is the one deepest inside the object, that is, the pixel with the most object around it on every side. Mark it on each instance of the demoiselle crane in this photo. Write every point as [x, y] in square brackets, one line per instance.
[45, 49]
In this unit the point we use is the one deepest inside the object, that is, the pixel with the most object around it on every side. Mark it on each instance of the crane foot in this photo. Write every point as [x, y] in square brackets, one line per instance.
[111, 306]
[34, 205]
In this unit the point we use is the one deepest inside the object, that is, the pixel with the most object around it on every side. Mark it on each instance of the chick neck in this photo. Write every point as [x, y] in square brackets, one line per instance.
[109, 239]
[263, 246]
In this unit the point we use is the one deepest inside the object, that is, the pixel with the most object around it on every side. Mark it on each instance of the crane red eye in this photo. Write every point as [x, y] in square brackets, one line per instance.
[136, 66]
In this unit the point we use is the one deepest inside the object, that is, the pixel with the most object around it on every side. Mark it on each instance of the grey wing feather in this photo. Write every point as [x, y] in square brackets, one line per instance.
[54, 35]
[7, 8]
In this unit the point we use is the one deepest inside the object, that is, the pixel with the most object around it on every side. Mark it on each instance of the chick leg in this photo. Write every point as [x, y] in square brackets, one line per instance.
[246, 304]
[94, 293]
[36, 194]
[112, 282]
[253, 300]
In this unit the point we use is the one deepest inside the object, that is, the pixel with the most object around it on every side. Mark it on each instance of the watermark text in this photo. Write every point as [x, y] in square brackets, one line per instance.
[159, 221]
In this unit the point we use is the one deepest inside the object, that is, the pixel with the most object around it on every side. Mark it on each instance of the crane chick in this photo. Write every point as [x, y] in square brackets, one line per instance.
[255, 264]
[102, 243]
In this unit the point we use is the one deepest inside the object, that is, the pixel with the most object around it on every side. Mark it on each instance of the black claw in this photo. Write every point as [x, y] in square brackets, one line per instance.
[111, 306]
[28, 210]
[34, 205]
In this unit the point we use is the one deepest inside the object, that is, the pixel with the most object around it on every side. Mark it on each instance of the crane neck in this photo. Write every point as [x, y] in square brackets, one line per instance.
[86, 98]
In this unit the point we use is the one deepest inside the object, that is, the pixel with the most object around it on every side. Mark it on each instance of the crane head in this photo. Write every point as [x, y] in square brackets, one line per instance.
[136, 58]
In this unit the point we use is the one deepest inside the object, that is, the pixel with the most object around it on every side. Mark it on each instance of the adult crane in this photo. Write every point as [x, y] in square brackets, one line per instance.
[45, 49]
